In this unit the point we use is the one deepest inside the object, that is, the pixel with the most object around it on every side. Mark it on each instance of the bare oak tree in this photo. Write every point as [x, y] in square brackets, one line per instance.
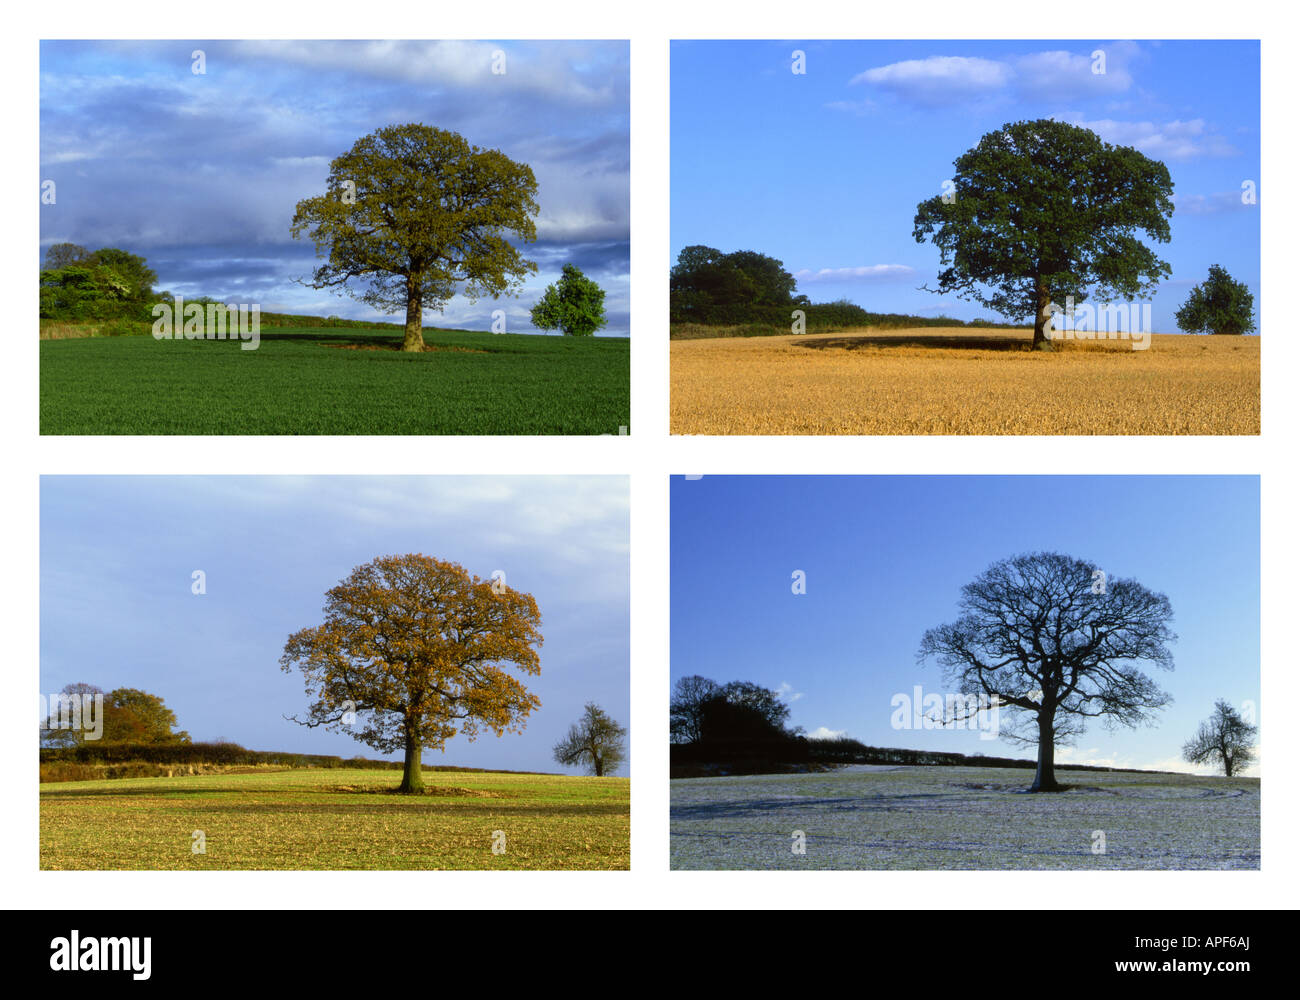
[412, 652]
[1051, 640]
[1224, 739]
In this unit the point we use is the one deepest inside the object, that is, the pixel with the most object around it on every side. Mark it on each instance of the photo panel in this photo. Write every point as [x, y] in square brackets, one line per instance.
[410, 672]
[965, 237]
[965, 673]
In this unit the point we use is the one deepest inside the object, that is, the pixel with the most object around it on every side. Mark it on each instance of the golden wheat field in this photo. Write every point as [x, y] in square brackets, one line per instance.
[955, 380]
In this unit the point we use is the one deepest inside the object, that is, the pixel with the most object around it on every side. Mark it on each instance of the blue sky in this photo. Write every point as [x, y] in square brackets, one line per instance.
[200, 173]
[824, 170]
[885, 558]
[117, 554]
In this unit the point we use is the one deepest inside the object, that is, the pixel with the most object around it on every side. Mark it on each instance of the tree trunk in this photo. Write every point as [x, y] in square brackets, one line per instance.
[1042, 313]
[414, 339]
[412, 776]
[1045, 776]
[599, 765]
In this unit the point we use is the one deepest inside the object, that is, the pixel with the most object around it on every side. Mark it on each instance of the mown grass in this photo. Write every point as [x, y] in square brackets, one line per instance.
[313, 380]
[963, 381]
[336, 819]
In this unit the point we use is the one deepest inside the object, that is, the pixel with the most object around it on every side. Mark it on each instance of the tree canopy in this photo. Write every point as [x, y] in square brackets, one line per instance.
[1219, 305]
[594, 742]
[1054, 642]
[129, 716]
[1043, 210]
[575, 306]
[416, 213]
[705, 278]
[701, 711]
[1225, 739]
[414, 651]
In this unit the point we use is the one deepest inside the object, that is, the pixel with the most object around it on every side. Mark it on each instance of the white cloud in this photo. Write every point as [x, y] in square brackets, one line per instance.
[870, 272]
[1209, 204]
[787, 692]
[822, 733]
[939, 79]
[1175, 140]
[1055, 74]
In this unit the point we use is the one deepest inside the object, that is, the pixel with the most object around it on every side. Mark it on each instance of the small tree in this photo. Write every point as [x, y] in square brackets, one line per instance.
[595, 742]
[1049, 639]
[1042, 210]
[1225, 739]
[575, 306]
[417, 212]
[412, 651]
[1219, 305]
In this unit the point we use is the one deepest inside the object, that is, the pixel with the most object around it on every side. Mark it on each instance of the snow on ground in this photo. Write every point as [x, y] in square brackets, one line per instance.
[904, 817]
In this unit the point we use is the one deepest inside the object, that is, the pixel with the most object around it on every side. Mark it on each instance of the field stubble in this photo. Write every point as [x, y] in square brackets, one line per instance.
[336, 819]
[963, 381]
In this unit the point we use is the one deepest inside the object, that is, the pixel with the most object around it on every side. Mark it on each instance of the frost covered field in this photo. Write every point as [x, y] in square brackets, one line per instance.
[963, 818]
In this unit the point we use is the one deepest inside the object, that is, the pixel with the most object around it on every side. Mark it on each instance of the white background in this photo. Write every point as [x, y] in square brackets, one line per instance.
[648, 455]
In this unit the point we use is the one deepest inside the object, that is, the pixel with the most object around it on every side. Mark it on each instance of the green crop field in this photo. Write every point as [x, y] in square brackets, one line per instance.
[318, 380]
[337, 819]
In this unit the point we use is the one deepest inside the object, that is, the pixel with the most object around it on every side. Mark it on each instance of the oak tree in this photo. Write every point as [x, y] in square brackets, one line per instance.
[414, 651]
[1051, 640]
[1040, 211]
[417, 213]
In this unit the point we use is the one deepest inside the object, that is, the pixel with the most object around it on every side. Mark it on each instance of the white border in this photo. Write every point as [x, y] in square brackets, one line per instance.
[649, 455]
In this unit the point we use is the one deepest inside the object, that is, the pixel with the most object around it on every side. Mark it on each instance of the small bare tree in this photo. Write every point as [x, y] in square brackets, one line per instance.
[595, 742]
[1224, 739]
[1052, 640]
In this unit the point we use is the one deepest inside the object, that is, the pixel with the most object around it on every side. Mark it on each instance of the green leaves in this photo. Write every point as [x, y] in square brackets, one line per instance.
[1045, 207]
[575, 306]
[1219, 305]
[417, 213]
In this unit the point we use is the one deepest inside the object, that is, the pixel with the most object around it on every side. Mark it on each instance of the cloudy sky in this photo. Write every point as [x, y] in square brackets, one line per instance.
[200, 173]
[824, 170]
[118, 554]
[885, 558]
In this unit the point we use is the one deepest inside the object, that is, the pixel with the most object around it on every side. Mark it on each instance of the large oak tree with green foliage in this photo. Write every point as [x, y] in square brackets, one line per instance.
[414, 651]
[1042, 210]
[1052, 641]
[416, 213]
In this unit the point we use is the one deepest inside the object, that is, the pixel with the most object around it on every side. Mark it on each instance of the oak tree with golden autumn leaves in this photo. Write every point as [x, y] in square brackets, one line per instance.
[413, 651]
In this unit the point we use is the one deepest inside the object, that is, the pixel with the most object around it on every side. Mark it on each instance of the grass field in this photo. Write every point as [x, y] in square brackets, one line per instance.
[337, 819]
[964, 818]
[336, 381]
[963, 381]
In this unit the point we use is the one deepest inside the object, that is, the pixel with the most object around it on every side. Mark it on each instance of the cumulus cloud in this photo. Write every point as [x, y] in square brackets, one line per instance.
[786, 692]
[1049, 75]
[938, 79]
[822, 733]
[201, 173]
